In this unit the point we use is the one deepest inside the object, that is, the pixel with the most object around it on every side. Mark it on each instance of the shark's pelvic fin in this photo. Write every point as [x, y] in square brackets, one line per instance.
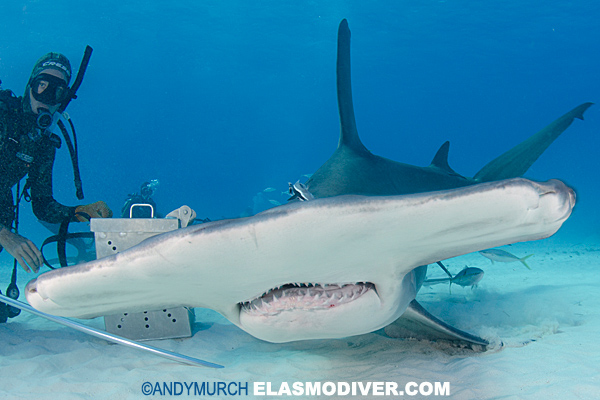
[349, 133]
[517, 160]
[418, 322]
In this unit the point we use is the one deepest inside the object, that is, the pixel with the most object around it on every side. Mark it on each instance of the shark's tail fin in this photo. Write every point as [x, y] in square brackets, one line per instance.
[349, 134]
[517, 160]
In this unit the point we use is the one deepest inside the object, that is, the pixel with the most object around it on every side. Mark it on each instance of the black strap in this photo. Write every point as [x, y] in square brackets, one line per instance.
[61, 245]
[61, 242]
[62, 256]
[24, 193]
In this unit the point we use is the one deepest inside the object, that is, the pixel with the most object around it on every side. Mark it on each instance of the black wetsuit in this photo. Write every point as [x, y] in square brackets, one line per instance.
[21, 154]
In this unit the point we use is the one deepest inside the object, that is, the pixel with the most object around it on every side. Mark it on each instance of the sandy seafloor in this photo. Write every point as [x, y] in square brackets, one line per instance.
[547, 319]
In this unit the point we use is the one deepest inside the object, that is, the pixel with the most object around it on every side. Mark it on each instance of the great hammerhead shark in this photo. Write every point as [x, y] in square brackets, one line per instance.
[352, 169]
[329, 267]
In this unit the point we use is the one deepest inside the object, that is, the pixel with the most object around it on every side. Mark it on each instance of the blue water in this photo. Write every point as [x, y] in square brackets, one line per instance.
[222, 99]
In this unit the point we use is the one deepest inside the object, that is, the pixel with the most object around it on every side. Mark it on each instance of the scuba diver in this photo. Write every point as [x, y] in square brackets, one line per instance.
[137, 204]
[28, 148]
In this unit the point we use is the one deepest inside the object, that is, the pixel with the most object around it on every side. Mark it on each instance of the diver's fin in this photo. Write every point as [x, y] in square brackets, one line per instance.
[419, 323]
[440, 160]
[517, 160]
[348, 134]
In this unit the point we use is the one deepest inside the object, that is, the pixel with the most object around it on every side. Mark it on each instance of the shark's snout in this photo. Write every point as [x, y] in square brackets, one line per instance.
[558, 197]
[37, 300]
[31, 289]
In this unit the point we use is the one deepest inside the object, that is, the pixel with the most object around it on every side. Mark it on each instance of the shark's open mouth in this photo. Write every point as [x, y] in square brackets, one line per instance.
[300, 296]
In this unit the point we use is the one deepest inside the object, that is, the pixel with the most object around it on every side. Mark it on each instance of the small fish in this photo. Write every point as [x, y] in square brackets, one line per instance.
[469, 276]
[269, 189]
[503, 256]
[275, 202]
[300, 191]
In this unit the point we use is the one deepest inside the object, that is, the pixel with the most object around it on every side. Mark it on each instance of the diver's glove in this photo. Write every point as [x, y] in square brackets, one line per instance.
[98, 209]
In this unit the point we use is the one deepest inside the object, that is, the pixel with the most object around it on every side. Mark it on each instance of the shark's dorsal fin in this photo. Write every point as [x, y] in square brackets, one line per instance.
[517, 160]
[348, 132]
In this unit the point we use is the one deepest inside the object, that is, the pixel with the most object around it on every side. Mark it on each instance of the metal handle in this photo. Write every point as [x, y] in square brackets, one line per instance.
[141, 205]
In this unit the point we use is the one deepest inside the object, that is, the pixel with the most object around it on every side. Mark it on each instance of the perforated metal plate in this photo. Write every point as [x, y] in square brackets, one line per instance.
[150, 325]
[117, 234]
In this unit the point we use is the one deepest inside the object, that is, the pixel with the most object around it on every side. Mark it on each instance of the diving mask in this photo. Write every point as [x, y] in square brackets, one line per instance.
[49, 89]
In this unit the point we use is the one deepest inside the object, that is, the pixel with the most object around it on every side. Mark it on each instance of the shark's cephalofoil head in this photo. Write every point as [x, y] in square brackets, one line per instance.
[362, 251]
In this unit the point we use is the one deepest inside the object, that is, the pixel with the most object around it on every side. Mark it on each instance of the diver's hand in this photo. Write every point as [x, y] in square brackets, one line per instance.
[22, 249]
[98, 209]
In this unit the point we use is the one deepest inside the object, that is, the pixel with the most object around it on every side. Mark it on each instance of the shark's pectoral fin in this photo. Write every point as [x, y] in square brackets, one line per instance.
[416, 322]
[517, 160]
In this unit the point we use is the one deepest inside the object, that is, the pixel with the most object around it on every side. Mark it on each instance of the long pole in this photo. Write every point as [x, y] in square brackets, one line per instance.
[110, 337]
